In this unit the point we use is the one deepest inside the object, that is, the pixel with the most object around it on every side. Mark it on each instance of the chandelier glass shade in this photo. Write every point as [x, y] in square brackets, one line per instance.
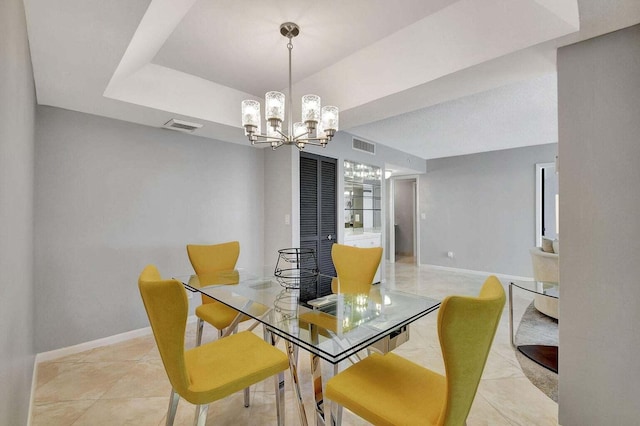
[318, 124]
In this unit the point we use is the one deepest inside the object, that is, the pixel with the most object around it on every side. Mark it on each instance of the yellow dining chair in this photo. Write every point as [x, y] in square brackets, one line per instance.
[212, 371]
[390, 390]
[356, 267]
[208, 259]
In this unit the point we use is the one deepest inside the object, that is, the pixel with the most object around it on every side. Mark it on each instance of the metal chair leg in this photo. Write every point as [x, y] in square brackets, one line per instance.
[247, 396]
[201, 415]
[173, 406]
[279, 382]
[199, 331]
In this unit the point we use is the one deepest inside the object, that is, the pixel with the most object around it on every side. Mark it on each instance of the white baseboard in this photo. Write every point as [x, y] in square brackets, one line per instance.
[70, 350]
[474, 272]
[110, 340]
[81, 347]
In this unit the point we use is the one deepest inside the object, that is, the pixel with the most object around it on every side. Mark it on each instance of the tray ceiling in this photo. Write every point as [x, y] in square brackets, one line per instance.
[420, 76]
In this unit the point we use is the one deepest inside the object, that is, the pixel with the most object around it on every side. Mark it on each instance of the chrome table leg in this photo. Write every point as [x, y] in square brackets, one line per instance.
[336, 414]
[292, 353]
[316, 373]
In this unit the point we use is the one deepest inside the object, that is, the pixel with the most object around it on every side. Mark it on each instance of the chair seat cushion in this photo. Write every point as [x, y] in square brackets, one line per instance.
[381, 387]
[217, 314]
[326, 323]
[230, 364]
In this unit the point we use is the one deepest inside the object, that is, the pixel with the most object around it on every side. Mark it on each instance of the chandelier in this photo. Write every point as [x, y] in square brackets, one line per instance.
[318, 124]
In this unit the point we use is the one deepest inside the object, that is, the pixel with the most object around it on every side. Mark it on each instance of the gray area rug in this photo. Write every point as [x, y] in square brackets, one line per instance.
[536, 328]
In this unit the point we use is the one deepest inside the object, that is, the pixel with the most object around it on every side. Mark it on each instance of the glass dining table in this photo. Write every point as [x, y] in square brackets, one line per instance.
[332, 328]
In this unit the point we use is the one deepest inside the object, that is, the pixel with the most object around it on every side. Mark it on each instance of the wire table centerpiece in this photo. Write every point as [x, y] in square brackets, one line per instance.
[296, 266]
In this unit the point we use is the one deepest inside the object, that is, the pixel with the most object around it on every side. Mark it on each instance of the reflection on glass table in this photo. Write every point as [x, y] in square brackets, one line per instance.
[544, 355]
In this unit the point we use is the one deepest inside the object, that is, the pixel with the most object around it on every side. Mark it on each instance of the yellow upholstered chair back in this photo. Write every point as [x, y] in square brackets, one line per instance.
[213, 258]
[466, 327]
[166, 304]
[356, 268]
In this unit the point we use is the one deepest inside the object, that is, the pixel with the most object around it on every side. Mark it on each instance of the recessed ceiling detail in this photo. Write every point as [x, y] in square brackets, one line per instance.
[148, 61]
[462, 34]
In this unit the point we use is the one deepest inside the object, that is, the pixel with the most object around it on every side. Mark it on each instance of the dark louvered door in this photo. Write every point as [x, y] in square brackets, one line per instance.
[318, 211]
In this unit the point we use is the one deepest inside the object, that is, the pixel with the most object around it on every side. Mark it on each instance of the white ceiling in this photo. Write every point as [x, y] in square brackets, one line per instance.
[433, 78]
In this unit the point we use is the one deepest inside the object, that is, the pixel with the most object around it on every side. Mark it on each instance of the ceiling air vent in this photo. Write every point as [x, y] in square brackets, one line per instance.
[361, 145]
[181, 125]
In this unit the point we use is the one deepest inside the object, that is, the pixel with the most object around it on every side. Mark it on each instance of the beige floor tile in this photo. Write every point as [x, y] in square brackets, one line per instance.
[263, 406]
[130, 350]
[48, 371]
[145, 379]
[184, 415]
[230, 410]
[77, 357]
[59, 413]
[152, 354]
[124, 412]
[484, 414]
[519, 401]
[498, 367]
[82, 381]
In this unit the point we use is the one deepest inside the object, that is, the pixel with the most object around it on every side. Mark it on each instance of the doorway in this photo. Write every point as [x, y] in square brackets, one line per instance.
[546, 202]
[404, 224]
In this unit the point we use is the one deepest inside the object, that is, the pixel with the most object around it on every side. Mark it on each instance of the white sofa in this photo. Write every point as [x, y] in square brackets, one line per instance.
[545, 268]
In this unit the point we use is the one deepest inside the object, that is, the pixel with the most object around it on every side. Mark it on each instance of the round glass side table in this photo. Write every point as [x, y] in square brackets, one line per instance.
[544, 355]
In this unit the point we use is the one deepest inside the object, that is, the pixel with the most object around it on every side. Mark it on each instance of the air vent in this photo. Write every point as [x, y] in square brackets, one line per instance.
[181, 125]
[364, 146]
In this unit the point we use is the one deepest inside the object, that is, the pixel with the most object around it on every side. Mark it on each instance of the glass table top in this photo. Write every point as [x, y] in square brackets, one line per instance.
[333, 327]
[539, 287]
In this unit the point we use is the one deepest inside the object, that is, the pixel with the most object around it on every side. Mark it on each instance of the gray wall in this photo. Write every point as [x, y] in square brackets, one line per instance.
[17, 115]
[281, 195]
[482, 208]
[112, 196]
[599, 154]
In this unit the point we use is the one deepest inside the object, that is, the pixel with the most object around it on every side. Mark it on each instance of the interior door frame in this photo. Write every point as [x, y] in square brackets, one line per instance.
[416, 212]
[539, 193]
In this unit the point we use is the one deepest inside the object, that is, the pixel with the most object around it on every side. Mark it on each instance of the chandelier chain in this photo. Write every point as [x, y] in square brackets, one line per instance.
[290, 104]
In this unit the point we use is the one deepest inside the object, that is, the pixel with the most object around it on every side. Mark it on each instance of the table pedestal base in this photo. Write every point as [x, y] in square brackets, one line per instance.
[546, 356]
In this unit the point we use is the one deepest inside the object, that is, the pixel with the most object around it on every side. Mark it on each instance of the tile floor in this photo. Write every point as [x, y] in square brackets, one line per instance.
[125, 383]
